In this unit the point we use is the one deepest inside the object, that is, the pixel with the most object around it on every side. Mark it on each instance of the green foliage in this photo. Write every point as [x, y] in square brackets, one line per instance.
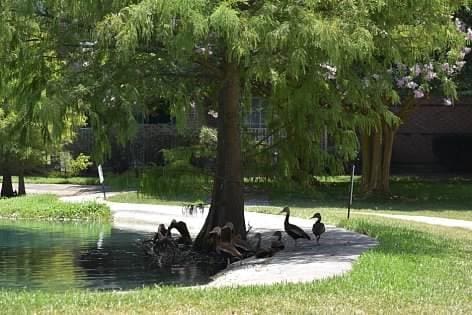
[79, 164]
[177, 181]
[208, 139]
[324, 66]
[49, 207]
[179, 156]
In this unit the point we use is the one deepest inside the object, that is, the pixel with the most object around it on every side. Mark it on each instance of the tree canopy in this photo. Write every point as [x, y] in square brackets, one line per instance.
[322, 65]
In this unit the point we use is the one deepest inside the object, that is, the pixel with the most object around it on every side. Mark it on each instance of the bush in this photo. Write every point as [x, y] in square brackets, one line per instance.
[176, 180]
[79, 164]
[73, 167]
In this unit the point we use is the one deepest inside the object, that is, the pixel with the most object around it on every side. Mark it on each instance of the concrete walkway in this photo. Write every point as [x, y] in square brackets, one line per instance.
[65, 190]
[422, 219]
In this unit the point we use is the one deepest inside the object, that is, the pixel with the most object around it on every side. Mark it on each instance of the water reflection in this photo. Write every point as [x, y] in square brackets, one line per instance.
[60, 256]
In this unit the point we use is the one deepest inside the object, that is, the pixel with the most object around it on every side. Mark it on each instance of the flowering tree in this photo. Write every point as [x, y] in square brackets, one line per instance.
[411, 83]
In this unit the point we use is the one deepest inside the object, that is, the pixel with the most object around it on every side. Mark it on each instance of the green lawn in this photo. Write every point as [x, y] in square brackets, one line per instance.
[416, 269]
[60, 180]
[448, 198]
[50, 207]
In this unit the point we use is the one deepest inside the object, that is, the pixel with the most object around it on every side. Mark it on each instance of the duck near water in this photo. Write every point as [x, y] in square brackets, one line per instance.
[294, 231]
[241, 245]
[181, 227]
[262, 252]
[318, 227]
[277, 243]
[223, 243]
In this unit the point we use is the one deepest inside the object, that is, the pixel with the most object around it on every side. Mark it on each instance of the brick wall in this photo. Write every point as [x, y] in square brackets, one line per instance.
[434, 138]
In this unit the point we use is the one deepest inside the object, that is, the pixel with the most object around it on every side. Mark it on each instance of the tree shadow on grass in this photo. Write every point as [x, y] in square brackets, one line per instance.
[404, 205]
[339, 246]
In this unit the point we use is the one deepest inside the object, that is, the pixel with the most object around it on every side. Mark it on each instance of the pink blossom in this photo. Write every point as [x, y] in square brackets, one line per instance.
[460, 65]
[412, 85]
[213, 113]
[459, 25]
[418, 93]
[430, 75]
[401, 82]
[416, 69]
[469, 34]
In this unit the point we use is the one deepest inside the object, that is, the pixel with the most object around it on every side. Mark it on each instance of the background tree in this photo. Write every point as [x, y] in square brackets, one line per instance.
[431, 72]
[34, 118]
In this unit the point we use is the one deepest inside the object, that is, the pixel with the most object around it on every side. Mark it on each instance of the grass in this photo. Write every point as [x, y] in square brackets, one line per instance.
[448, 198]
[60, 180]
[50, 207]
[416, 269]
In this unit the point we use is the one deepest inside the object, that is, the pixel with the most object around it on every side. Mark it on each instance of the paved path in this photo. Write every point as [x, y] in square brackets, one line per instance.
[422, 219]
[64, 190]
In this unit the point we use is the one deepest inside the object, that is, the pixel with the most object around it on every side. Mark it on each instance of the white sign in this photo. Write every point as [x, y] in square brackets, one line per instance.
[100, 174]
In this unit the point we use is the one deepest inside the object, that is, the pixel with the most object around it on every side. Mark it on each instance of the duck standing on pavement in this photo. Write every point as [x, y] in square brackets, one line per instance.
[294, 231]
[277, 243]
[262, 252]
[318, 227]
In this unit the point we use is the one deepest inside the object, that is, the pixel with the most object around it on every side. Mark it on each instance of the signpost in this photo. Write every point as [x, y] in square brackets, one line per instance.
[102, 180]
[351, 188]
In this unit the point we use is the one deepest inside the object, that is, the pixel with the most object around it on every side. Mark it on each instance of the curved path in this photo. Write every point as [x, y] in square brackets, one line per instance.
[339, 248]
[423, 219]
[306, 262]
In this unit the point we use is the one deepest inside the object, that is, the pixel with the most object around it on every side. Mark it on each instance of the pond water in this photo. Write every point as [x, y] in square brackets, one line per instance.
[61, 256]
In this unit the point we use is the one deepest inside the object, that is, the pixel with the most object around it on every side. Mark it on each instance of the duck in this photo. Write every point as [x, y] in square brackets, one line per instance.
[277, 243]
[162, 231]
[148, 247]
[166, 251]
[262, 252]
[292, 230]
[242, 245]
[223, 244]
[181, 227]
[318, 227]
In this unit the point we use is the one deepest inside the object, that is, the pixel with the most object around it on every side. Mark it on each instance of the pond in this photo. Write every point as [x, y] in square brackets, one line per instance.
[61, 256]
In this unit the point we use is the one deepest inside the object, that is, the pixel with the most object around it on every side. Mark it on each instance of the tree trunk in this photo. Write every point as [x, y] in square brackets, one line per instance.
[7, 186]
[21, 182]
[376, 152]
[227, 204]
[376, 159]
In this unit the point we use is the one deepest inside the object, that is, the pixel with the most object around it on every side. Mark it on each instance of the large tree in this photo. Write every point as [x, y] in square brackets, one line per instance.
[321, 64]
[230, 47]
